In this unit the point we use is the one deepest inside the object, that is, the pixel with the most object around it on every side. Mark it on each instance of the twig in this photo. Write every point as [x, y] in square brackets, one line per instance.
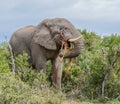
[111, 63]
[11, 53]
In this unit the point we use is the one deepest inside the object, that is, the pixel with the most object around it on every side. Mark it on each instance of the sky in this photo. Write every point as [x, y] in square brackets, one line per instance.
[99, 16]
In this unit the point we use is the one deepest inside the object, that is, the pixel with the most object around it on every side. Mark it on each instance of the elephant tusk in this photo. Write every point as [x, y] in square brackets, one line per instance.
[75, 39]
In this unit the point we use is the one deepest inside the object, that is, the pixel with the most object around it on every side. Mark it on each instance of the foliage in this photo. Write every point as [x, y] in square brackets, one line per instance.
[15, 91]
[4, 55]
[99, 63]
[94, 74]
[25, 86]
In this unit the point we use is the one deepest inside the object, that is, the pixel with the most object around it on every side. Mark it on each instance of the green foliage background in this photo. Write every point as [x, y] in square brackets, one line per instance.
[83, 78]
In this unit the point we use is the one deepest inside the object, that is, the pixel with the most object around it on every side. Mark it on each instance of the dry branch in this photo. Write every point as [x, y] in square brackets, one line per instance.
[12, 57]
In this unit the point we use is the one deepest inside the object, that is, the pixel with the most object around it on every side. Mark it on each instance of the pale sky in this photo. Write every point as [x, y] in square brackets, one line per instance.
[99, 16]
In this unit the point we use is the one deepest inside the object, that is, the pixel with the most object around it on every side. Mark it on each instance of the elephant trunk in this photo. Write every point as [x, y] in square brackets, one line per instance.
[78, 46]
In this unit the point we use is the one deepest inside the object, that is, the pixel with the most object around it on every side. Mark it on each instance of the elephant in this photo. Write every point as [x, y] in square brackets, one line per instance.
[51, 39]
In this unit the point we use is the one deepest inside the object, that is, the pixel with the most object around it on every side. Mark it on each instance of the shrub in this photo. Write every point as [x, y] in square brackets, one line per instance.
[95, 74]
[25, 86]
[15, 91]
[4, 58]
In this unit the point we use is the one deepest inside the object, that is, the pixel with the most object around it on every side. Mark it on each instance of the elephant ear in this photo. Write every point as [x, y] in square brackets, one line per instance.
[43, 37]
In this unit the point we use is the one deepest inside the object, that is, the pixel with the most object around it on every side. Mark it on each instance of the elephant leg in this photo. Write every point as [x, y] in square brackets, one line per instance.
[56, 72]
[40, 64]
[38, 57]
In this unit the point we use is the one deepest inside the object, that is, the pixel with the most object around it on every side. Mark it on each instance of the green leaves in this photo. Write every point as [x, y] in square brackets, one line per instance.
[4, 58]
[99, 61]
[25, 86]
[111, 41]
[94, 73]
[22, 60]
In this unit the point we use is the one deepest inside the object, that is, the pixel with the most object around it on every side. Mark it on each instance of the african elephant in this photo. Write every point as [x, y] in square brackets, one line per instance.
[49, 40]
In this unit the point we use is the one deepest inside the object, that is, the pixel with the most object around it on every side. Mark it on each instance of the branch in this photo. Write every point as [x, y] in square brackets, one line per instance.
[11, 53]
[111, 67]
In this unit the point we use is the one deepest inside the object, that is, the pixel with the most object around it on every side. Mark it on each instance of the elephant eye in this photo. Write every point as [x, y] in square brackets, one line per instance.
[65, 28]
[61, 28]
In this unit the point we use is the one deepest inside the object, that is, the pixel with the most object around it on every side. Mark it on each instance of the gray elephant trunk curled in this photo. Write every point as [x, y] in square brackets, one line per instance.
[49, 40]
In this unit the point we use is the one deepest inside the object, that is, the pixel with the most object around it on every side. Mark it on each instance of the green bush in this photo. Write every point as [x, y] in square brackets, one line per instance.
[25, 86]
[4, 58]
[83, 78]
[100, 58]
[14, 91]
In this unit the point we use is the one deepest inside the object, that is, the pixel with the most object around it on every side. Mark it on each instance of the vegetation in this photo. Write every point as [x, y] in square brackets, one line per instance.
[94, 76]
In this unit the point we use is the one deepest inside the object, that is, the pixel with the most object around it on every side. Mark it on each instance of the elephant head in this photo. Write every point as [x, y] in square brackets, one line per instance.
[48, 35]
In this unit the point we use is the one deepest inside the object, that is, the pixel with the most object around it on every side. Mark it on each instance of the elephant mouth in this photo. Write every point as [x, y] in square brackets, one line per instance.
[70, 45]
[67, 46]
[71, 42]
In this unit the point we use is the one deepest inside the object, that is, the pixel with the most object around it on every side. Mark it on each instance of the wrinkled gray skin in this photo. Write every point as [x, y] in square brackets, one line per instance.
[43, 42]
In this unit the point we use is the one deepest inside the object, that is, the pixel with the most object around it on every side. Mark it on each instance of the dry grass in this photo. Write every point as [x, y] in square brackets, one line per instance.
[74, 102]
